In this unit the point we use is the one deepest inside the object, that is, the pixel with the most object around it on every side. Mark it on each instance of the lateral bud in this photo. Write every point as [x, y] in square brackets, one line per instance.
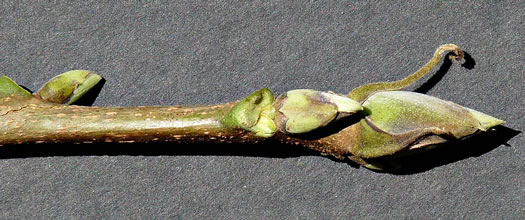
[68, 87]
[304, 110]
[254, 113]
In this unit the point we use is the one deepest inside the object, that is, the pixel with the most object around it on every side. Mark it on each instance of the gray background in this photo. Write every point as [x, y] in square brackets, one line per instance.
[171, 53]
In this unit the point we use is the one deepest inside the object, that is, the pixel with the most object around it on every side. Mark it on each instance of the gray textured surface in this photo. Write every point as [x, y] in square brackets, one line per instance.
[203, 53]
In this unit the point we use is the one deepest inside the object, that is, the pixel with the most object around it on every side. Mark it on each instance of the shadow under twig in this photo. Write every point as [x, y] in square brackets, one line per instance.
[268, 150]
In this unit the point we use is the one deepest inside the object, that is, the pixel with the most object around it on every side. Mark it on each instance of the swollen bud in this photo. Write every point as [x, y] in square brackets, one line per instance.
[304, 110]
[254, 113]
[68, 87]
[399, 120]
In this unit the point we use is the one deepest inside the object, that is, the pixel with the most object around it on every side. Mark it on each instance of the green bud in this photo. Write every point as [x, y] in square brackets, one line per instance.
[265, 127]
[9, 87]
[254, 113]
[68, 87]
[406, 120]
[305, 110]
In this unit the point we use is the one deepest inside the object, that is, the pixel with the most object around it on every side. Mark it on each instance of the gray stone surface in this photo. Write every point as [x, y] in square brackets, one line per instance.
[180, 52]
